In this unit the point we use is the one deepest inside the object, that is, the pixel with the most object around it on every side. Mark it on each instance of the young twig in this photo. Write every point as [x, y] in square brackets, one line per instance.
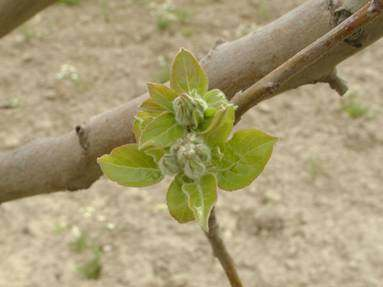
[221, 253]
[269, 85]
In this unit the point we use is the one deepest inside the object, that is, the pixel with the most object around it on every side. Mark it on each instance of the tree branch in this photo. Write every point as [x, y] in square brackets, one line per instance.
[61, 163]
[15, 12]
[271, 84]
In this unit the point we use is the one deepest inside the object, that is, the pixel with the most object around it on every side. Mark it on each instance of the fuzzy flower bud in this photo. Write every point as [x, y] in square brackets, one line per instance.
[189, 109]
[169, 164]
[189, 155]
[194, 168]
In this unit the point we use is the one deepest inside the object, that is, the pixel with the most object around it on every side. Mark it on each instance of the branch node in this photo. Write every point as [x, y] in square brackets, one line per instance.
[333, 6]
[272, 87]
[355, 40]
[82, 137]
[336, 83]
[376, 6]
[218, 43]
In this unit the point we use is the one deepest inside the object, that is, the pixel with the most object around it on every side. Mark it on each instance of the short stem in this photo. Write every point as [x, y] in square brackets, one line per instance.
[221, 253]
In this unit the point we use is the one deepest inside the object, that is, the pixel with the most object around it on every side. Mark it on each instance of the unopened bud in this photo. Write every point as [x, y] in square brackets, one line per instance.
[169, 165]
[189, 109]
[194, 168]
[189, 155]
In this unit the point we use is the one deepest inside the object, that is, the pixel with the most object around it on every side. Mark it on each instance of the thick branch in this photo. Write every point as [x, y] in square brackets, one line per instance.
[62, 163]
[15, 12]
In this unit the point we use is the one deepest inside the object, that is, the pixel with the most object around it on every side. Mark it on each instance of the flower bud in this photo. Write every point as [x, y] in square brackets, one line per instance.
[189, 155]
[189, 109]
[169, 165]
[194, 168]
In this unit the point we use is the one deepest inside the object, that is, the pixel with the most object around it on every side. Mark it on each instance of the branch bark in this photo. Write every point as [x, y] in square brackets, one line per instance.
[62, 163]
[15, 12]
[271, 84]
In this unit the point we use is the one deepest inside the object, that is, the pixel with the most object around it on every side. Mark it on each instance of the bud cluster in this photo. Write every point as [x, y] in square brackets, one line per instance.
[189, 109]
[189, 155]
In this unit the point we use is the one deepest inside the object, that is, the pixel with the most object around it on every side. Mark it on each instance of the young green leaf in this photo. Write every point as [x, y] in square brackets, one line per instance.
[220, 127]
[244, 158]
[151, 106]
[155, 153]
[142, 119]
[162, 131]
[187, 74]
[178, 201]
[216, 99]
[148, 111]
[162, 95]
[129, 166]
[202, 195]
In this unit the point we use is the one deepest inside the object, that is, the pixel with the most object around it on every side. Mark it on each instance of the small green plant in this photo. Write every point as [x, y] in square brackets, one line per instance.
[183, 131]
[70, 2]
[27, 32]
[79, 243]
[354, 108]
[104, 7]
[167, 13]
[68, 73]
[85, 245]
[11, 103]
[91, 269]
[263, 10]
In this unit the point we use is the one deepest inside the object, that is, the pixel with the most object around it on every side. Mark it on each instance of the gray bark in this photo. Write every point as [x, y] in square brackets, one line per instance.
[68, 162]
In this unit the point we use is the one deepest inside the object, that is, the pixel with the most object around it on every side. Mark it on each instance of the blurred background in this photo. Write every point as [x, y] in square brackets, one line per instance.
[314, 217]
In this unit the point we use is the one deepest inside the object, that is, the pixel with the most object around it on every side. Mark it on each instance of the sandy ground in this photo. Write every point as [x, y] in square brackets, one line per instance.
[314, 218]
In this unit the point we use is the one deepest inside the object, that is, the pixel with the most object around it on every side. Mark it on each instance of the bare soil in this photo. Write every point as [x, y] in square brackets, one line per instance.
[314, 218]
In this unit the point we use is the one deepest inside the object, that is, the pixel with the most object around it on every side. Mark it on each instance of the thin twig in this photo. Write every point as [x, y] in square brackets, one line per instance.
[269, 85]
[221, 253]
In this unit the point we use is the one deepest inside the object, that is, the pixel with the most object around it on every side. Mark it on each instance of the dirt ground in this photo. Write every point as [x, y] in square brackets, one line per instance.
[314, 218]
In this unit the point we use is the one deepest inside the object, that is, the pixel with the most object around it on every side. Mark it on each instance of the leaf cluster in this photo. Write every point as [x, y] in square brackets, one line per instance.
[183, 131]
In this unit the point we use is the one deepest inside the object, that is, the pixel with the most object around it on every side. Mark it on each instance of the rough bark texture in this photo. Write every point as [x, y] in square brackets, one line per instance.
[15, 12]
[68, 162]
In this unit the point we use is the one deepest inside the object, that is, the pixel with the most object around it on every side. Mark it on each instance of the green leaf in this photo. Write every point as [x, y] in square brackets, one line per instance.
[244, 158]
[202, 195]
[151, 106]
[216, 98]
[162, 95]
[155, 153]
[129, 166]
[142, 119]
[178, 202]
[148, 111]
[162, 131]
[220, 127]
[187, 74]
